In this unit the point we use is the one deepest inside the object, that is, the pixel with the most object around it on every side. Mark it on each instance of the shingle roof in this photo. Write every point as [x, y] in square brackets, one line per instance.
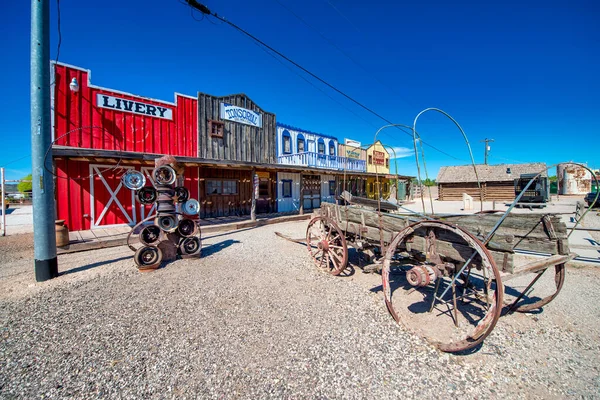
[488, 173]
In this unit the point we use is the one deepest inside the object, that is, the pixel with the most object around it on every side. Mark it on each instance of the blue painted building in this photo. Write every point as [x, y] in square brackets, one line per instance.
[297, 146]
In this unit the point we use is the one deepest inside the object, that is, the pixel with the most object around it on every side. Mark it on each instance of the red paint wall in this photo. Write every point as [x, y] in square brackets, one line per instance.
[74, 195]
[100, 128]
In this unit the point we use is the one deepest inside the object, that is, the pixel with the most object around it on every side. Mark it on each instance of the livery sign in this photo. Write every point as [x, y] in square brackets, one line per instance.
[133, 106]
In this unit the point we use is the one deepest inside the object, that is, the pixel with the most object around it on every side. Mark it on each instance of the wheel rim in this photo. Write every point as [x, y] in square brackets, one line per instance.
[165, 175]
[186, 227]
[150, 234]
[148, 257]
[468, 303]
[146, 195]
[326, 245]
[527, 305]
[190, 245]
[182, 194]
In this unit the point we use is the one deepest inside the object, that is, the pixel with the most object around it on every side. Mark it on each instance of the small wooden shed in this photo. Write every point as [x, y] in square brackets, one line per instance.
[497, 181]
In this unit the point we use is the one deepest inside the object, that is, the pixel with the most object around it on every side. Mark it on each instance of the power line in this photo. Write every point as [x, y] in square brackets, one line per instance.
[338, 48]
[202, 8]
[14, 161]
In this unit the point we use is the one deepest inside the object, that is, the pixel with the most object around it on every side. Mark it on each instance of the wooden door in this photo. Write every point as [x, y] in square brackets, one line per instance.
[311, 192]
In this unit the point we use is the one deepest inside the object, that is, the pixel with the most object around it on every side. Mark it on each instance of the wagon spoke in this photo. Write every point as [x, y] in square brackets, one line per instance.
[323, 233]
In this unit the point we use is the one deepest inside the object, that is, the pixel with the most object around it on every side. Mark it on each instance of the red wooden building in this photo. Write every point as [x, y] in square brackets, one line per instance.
[99, 133]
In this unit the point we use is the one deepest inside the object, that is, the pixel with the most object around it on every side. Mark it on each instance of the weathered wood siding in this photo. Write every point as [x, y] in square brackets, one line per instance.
[219, 205]
[491, 191]
[240, 142]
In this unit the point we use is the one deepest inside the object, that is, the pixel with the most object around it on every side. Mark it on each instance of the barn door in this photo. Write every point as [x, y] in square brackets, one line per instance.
[111, 202]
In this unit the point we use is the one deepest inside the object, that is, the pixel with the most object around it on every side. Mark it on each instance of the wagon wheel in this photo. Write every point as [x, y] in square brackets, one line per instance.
[559, 279]
[327, 245]
[452, 292]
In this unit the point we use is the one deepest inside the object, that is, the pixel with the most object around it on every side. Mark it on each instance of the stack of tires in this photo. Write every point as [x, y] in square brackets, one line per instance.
[173, 233]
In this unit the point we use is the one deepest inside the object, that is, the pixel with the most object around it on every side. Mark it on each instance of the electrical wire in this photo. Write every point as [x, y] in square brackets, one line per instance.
[343, 16]
[59, 32]
[205, 10]
[338, 48]
[13, 161]
[315, 86]
[114, 168]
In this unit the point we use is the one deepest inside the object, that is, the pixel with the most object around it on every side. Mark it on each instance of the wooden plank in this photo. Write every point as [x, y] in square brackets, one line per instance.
[539, 265]
[87, 235]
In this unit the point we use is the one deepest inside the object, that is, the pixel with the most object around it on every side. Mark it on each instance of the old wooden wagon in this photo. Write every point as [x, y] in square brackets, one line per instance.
[444, 276]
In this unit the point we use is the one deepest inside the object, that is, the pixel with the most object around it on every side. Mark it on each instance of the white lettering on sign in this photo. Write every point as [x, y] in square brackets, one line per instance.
[352, 143]
[241, 115]
[379, 157]
[132, 106]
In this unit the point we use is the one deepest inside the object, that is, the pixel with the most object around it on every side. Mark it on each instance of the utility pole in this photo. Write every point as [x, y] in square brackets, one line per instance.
[44, 236]
[487, 148]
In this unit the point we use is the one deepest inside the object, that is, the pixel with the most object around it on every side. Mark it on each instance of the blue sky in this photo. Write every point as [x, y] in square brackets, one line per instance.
[524, 73]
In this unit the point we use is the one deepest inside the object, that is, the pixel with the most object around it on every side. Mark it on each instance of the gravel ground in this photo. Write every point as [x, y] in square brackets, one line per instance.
[253, 318]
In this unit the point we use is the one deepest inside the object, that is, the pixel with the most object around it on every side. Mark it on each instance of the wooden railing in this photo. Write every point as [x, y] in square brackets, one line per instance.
[317, 160]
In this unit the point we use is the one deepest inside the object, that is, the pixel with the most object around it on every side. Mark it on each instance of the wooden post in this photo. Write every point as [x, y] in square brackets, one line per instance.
[301, 195]
[254, 190]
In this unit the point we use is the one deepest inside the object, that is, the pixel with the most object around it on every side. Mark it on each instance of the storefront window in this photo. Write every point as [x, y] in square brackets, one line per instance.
[263, 187]
[287, 188]
[213, 187]
[230, 187]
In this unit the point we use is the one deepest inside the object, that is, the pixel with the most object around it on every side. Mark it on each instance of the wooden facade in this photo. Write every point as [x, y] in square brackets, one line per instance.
[100, 133]
[497, 181]
[238, 141]
[491, 191]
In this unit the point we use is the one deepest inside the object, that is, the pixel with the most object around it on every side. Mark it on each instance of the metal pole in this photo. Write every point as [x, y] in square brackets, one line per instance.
[487, 148]
[44, 237]
[3, 203]
[255, 184]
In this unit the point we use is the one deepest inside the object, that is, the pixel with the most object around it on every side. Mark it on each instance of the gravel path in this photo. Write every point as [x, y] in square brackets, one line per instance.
[254, 319]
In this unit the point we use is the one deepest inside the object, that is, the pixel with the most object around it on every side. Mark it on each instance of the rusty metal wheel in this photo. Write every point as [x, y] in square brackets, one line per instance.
[451, 293]
[539, 293]
[190, 247]
[148, 257]
[326, 245]
[150, 235]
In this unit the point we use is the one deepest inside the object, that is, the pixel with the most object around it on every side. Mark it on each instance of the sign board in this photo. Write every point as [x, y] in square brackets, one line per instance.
[352, 143]
[352, 153]
[238, 114]
[378, 157]
[133, 106]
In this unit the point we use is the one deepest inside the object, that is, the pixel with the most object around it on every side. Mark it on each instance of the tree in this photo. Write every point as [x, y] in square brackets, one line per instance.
[24, 187]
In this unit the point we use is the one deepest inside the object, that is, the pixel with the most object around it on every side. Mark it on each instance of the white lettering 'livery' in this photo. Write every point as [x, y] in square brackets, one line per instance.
[132, 106]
